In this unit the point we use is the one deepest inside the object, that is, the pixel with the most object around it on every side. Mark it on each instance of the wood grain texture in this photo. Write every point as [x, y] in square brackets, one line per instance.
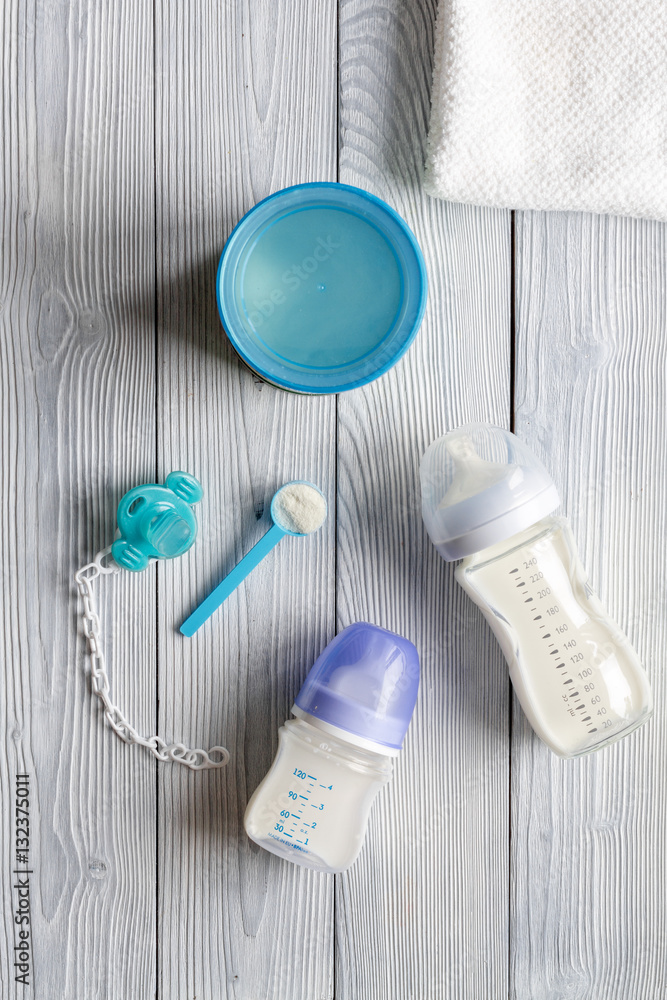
[134, 137]
[424, 912]
[246, 105]
[589, 878]
[77, 412]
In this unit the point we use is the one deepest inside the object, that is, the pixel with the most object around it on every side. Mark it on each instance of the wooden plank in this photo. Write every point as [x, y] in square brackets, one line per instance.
[424, 912]
[246, 105]
[77, 419]
[589, 878]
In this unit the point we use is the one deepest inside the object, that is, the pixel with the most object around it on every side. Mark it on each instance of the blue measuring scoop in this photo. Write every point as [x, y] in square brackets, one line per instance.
[297, 508]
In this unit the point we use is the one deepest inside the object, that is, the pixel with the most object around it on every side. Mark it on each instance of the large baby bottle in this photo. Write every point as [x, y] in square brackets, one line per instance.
[333, 758]
[486, 499]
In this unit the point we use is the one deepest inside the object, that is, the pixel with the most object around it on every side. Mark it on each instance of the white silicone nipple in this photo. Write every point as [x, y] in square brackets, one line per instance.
[472, 474]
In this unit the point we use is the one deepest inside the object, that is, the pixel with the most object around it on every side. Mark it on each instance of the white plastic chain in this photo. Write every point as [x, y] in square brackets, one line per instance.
[198, 760]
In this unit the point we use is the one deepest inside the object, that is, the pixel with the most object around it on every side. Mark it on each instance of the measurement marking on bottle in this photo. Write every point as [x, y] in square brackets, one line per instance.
[287, 834]
[311, 777]
[566, 629]
[303, 797]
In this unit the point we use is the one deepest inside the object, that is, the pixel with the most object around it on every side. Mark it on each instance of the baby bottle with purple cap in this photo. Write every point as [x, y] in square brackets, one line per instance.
[351, 716]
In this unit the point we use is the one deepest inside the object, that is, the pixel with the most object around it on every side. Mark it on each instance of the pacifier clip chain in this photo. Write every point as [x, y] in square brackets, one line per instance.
[178, 753]
[152, 525]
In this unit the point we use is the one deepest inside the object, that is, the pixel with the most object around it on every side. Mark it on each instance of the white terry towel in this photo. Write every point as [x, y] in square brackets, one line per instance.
[551, 104]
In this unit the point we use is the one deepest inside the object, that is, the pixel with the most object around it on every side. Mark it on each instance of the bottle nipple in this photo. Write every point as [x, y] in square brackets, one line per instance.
[365, 684]
[472, 474]
[481, 485]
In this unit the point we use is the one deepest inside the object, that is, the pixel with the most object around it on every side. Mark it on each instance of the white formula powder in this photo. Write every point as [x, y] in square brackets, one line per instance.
[299, 507]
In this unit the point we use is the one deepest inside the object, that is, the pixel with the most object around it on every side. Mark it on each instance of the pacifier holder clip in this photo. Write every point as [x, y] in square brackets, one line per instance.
[154, 522]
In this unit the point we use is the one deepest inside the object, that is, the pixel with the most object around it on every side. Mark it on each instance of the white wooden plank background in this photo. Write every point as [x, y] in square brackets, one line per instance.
[77, 390]
[425, 911]
[233, 920]
[589, 877]
[134, 137]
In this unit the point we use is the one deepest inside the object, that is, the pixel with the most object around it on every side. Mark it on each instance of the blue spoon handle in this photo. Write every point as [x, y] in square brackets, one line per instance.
[232, 580]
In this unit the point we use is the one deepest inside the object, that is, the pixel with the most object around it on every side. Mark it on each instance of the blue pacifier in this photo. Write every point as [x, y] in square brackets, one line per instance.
[154, 522]
[157, 522]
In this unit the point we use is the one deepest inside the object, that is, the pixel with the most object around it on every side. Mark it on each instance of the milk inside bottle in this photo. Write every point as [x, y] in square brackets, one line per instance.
[487, 500]
[352, 713]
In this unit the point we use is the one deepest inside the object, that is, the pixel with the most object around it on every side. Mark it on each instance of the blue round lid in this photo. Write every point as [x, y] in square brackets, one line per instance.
[321, 288]
[365, 682]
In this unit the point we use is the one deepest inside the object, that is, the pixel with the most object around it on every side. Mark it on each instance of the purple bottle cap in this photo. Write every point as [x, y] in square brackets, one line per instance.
[365, 682]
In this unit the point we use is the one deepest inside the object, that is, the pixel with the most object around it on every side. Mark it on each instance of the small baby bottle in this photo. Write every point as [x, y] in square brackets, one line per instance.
[486, 500]
[351, 716]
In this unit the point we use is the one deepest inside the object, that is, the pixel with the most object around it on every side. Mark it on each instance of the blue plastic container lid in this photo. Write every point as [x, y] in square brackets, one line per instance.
[365, 682]
[321, 288]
